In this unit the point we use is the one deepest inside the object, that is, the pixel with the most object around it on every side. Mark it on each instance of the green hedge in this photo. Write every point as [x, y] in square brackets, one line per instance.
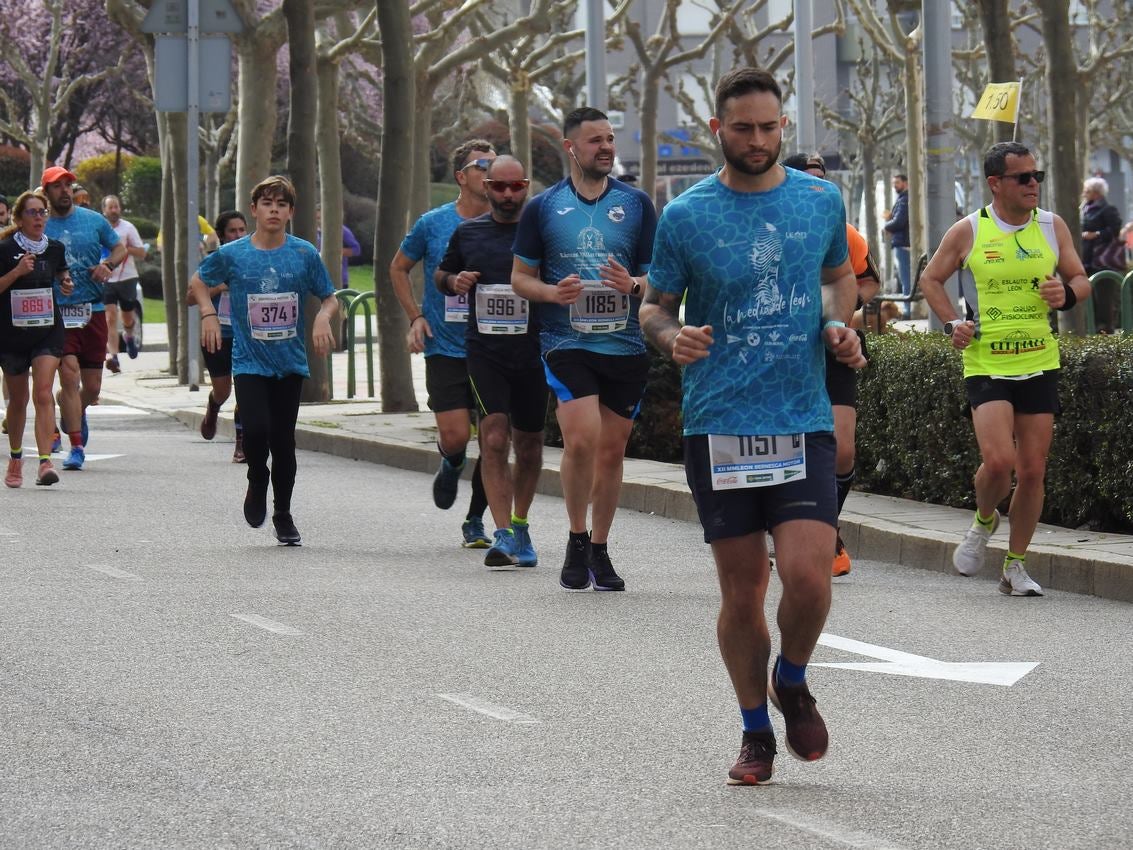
[141, 188]
[915, 437]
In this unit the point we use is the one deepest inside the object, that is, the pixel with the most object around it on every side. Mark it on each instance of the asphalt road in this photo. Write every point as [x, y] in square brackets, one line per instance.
[172, 678]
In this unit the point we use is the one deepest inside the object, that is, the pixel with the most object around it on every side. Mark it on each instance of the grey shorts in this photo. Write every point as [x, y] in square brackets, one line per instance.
[123, 293]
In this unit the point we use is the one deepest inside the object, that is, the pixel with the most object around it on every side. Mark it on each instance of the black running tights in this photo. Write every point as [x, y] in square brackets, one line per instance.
[268, 410]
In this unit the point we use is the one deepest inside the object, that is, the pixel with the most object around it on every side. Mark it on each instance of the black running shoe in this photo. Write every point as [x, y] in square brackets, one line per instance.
[445, 484]
[285, 530]
[602, 571]
[256, 504]
[807, 738]
[576, 565]
[756, 761]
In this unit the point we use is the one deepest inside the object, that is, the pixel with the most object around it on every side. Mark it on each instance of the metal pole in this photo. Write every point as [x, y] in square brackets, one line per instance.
[805, 136]
[192, 164]
[939, 140]
[596, 55]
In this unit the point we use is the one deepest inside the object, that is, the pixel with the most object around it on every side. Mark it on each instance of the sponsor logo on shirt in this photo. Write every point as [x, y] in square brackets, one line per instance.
[616, 213]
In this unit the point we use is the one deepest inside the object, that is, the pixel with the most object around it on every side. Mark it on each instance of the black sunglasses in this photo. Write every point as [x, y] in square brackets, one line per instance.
[1024, 177]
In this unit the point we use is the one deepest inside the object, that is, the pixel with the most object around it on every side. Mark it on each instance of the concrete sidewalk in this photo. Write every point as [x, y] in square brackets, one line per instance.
[873, 527]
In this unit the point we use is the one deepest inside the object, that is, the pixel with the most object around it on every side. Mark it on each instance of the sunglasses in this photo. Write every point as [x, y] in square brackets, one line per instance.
[481, 164]
[1025, 177]
[502, 185]
[37, 213]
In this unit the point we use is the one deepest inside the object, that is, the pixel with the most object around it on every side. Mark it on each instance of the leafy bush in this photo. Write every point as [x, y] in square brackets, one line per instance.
[101, 177]
[141, 188]
[147, 228]
[14, 165]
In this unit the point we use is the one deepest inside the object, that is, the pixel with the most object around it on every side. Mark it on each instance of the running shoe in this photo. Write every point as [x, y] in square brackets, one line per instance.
[208, 424]
[576, 566]
[113, 365]
[85, 430]
[1016, 582]
[444, 484]
[256, 504]
[474, 536]
[56, 442]
[524, 549]
[807, 738]
[15, 475]
[47, 474]
[602, 571]
[757, 757]
[284, 529]
[502, 553]
[75, 458]
[238, 449]
[968, 559]
[132, 346]
[841, 559]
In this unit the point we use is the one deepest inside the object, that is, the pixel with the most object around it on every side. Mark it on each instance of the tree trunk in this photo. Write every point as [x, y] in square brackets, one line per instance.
[1062, 97]
[421, 159]
[330, 178]
[1000, 46]
[650, 85]
[301, 162]
[394, 184]
[519, 110]
[176, 160]
[914, 129]
[258, 114]
[169, 243]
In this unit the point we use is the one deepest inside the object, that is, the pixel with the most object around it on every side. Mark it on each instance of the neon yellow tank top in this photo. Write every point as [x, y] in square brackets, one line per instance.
[1012, 325]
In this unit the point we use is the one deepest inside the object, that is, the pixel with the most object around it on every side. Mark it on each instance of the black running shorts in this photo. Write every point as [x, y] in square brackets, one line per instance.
[219, 362]
[520, 394]
[446, 379]
[1031, 395]
[617, 379]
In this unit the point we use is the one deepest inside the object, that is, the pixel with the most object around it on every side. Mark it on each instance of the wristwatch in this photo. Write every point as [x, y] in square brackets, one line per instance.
[635, 290]
[950, 327]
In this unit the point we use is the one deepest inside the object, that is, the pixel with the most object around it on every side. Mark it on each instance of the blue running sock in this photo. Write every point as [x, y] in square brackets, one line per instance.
[756, 719]
[790, 674]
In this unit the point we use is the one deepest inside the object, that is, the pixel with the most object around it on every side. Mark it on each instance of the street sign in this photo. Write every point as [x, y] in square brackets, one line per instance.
[171, 82]
[172, 16]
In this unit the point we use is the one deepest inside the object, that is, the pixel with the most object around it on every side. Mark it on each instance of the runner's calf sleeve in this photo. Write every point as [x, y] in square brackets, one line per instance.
[844, 484]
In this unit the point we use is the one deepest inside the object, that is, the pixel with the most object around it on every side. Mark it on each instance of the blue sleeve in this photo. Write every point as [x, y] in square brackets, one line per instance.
[667, 272]
[529, 235]
[213, 269]
[349, 241]
[416, 241]
[648, 233]
[453, 260]
[107, 235]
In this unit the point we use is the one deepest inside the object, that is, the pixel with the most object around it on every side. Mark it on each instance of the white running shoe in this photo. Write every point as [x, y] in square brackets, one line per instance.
[968, 559]
[1016, 582]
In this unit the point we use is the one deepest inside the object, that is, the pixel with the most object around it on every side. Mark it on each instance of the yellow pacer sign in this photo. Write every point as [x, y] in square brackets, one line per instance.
[999, 102]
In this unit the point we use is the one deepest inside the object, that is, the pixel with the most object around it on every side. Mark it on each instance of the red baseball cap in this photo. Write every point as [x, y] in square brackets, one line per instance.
[56, 173]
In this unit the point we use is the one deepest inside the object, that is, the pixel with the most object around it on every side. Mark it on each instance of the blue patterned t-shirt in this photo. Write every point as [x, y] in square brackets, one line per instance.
[428, 239]
[751, 265]
[563, 234]
[84, 233]
[295, 266]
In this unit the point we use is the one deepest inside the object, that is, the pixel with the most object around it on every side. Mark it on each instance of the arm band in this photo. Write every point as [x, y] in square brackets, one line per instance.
[415, 318]
[208, 316]
[1071, 298]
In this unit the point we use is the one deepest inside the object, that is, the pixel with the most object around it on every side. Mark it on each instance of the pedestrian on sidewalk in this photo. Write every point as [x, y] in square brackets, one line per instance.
[758, 254]
[269, 274]
[121, 289]
[1021, 265]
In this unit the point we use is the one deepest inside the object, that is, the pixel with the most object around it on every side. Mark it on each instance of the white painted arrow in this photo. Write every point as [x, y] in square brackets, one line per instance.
[896, 663]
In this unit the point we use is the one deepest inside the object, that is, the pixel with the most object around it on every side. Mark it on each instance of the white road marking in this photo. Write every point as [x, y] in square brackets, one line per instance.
[829, 831]
[897, 663]
[93, 458]
[113, 572]
[265, 623]
[499, 712]
[114, 410]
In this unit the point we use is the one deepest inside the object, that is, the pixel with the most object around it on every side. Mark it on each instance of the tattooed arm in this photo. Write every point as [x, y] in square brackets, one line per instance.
[661, 326]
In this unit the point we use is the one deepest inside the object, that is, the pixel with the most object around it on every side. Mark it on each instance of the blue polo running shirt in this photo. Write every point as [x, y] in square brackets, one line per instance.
[428, 239]
[563, 234]
[84, 233]
[294, 266]
[750, 264]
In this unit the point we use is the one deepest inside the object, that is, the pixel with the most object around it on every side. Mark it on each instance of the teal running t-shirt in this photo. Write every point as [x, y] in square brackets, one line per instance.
[563, 234]
[84, 234]
[428, 240]
[266, 290]
[750, 265]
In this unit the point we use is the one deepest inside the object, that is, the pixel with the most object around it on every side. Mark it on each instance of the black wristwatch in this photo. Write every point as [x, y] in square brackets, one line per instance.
[950, 327]
[635, 290]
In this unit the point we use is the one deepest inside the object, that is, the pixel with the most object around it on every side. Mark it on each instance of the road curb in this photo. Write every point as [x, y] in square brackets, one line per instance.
[869, 539]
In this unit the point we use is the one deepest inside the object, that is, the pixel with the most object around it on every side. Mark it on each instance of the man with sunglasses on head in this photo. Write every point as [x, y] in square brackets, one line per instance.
[436, 327]
[504, 367]
[581, 252]
[1022, 264]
